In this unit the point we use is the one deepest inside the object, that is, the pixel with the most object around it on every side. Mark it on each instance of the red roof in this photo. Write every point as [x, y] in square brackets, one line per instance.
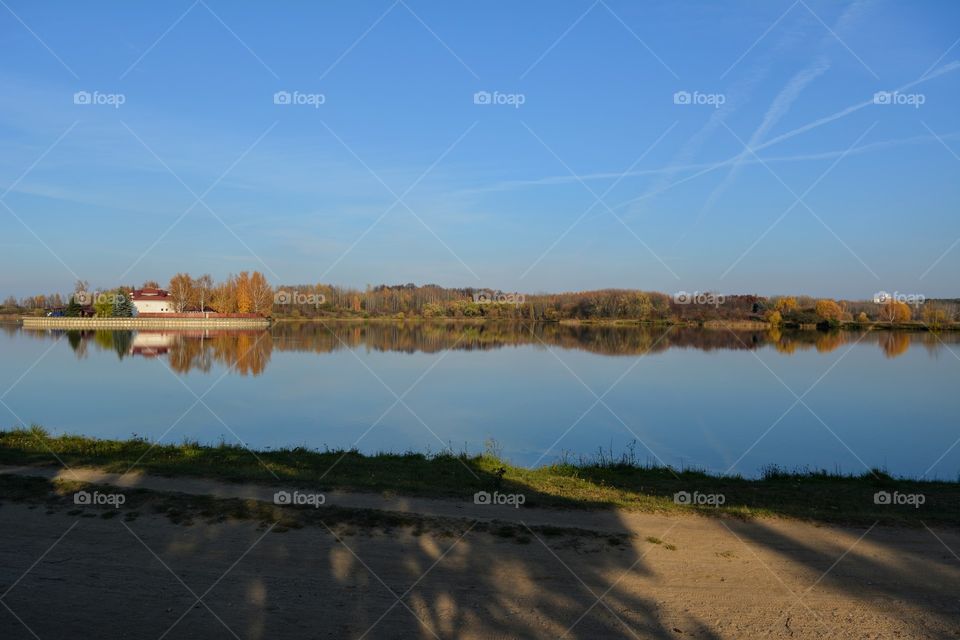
[149, 293]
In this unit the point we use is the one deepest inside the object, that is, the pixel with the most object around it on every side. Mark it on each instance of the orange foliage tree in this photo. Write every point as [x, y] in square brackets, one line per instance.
[895, 311]
[829, 310]
[244, 293]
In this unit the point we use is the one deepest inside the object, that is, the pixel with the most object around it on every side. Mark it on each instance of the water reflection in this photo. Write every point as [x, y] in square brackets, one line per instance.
[249, 352]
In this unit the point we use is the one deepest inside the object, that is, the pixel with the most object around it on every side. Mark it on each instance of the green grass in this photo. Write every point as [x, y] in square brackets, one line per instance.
[599, 483]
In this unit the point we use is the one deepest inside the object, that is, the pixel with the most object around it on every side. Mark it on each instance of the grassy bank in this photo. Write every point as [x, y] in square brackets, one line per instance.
[597, 484]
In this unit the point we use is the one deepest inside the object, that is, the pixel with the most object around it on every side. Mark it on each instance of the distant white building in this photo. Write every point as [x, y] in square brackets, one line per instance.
[150, 300]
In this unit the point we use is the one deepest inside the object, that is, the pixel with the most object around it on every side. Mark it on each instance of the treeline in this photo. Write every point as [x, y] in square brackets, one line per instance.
[433, 301]
[246, 292]
[249, 292]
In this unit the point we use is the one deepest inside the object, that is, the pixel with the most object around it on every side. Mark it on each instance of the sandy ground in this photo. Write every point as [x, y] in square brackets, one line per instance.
[82, 576]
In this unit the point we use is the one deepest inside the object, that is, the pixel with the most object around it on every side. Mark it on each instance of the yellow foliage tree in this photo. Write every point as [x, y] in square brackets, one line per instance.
[895, 311]
[181, 291]
[244, 293]
[261, 294]
[829, 310]
[785, 305]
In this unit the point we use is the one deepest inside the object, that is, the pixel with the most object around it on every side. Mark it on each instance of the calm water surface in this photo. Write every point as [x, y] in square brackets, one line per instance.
[716, 399]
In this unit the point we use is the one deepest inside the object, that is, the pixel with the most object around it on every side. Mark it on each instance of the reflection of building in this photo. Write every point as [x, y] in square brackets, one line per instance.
[151, 345]
[150, 300]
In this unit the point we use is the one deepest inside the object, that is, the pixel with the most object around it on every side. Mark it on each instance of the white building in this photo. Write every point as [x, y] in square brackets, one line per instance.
[149, 300]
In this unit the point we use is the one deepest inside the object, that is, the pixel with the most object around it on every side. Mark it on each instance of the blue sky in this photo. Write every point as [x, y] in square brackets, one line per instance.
[598, 179]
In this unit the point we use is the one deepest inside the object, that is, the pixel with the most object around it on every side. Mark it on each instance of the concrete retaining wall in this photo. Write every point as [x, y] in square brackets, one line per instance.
[145, 323]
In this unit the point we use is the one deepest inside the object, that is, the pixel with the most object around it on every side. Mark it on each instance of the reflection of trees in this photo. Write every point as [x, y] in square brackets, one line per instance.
[249, 352]
[438, 336]
[827, 342]
[894, 344]
[246, 351]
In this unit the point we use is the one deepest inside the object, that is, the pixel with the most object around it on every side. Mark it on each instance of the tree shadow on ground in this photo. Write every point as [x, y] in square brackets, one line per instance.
[264, 571]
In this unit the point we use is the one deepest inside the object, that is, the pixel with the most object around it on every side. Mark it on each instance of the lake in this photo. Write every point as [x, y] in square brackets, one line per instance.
[717, 399]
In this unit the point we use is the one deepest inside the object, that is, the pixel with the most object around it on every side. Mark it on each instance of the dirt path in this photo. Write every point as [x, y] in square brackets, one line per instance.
[78, 575]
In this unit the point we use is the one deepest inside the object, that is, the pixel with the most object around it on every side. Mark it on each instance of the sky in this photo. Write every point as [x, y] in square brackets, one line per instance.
[808, 147]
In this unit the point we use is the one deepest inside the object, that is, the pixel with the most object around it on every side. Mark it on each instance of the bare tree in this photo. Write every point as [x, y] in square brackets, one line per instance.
[261, 294]
[181, 291]
[202, 287]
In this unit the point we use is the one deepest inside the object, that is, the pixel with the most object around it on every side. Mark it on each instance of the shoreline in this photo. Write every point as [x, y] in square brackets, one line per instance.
[596, 485]
[44, 322]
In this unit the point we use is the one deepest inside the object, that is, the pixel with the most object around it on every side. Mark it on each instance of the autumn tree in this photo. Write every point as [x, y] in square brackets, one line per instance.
[202, 288]
[244, 293]
[181, 291]
[895, 311]
[223, 297]
[935, 315]
[786, 305]
[829, 310]
[261, 294]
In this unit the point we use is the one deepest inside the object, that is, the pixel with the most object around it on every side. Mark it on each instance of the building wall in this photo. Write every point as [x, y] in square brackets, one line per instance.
[31, 322]
[162, 305]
